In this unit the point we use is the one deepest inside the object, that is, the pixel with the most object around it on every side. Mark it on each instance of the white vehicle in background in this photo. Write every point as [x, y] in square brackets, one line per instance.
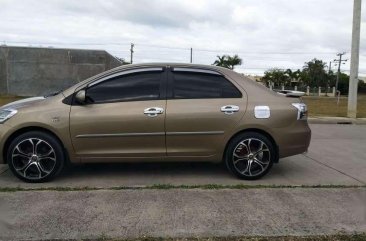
[290, 93]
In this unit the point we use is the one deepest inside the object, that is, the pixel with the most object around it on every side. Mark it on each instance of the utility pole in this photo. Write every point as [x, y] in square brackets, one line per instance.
[131, 59]
[355, 58]
[340, 61]
[328, 81]
[191, 55]
[330, 67]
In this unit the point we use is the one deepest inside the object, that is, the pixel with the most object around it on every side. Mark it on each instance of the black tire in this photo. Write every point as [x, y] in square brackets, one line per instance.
[238, 164]
[39, 152]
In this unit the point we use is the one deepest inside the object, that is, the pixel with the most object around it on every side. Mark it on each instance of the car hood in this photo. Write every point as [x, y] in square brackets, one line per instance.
[23, 103]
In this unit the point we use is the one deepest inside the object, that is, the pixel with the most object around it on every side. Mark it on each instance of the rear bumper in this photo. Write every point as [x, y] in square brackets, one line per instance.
[294, 139]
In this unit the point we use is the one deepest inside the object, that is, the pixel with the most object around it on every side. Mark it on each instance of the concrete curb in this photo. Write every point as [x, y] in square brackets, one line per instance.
[336, 120]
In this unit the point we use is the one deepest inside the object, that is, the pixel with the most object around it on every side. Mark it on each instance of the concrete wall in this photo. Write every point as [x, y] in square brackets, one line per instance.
[3, 71]
[28, 71]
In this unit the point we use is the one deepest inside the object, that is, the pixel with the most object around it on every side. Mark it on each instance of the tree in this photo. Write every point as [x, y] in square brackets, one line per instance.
[221, 61]
[233, 61]
[314, 73]
[294, 76]
[343, 83]
[228, 61]
[276, 76]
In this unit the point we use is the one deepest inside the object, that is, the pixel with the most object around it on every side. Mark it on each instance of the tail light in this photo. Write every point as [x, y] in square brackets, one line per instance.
[302, 111]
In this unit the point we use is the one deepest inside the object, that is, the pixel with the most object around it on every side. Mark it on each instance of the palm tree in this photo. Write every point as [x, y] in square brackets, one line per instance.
[233, 61]
[228, 61]
[294, 76]
[221, 61]
[276, 76]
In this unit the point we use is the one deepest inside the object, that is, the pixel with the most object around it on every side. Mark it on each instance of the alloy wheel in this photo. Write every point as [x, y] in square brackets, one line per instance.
[251, 157]
[33, 158]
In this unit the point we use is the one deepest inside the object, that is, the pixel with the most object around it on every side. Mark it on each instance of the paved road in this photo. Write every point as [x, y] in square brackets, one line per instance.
[336, 156]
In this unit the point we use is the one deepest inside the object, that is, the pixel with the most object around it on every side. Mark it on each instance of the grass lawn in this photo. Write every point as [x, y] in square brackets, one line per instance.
[327, 106]
[318, 106]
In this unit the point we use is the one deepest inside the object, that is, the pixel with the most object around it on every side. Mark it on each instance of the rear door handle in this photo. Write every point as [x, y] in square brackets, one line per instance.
[153, 111]
[230, 109]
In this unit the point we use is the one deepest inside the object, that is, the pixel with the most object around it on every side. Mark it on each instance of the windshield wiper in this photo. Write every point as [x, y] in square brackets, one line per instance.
[53, 94]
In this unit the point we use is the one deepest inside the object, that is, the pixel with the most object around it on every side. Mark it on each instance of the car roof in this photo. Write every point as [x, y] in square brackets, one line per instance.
[147, 65]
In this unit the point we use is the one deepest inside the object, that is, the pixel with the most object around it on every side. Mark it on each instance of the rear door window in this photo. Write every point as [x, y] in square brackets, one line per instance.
[192, 85]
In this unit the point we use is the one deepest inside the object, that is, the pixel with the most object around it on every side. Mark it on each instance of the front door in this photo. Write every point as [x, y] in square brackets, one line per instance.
[122, 119]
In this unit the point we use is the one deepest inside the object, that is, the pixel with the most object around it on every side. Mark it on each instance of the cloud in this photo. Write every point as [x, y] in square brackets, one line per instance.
[264, 33]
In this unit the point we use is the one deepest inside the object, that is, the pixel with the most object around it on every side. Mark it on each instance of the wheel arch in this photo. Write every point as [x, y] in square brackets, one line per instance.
[257, 130]
[28, 129]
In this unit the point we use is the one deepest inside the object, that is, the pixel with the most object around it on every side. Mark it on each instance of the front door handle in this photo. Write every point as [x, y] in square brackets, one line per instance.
[153, 111]
[230, 109]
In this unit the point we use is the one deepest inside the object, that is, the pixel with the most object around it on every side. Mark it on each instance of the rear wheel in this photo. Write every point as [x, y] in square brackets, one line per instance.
[250, 155]
[35, 156]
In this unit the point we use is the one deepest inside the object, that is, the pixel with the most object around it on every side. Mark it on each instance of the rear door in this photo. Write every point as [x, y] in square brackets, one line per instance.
[123, 119]
[202, 106]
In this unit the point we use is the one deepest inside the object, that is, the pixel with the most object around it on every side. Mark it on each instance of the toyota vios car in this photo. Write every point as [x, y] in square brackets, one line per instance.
[154, 112]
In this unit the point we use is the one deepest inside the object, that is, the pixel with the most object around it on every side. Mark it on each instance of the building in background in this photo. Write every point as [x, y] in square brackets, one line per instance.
[30, 71]
[256, 78]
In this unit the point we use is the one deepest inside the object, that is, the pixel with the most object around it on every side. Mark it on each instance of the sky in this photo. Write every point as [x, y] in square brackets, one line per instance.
[264, 33]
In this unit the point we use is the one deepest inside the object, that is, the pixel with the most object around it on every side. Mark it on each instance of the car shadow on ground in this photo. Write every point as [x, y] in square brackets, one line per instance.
[175, 173]
[146, 169]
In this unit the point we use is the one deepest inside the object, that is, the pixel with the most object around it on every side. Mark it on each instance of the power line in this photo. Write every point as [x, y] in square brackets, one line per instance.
[244, 52]
[163, 47]
[139, 51]
[63, 43]
[166, 47]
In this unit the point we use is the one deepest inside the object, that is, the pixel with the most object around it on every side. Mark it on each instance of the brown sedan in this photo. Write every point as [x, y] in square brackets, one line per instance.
[154, 112]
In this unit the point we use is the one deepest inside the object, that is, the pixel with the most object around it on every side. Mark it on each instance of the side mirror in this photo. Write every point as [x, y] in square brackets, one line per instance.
[81, 96]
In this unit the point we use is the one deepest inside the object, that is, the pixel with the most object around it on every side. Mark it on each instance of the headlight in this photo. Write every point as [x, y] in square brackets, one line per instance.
[6, 114]
[302, 111]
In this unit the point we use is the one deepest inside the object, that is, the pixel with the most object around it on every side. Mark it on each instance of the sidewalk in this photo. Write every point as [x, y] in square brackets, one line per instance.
[44, 215]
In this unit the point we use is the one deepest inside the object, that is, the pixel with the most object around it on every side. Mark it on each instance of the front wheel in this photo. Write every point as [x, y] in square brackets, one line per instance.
[250, 155]
[35, 156]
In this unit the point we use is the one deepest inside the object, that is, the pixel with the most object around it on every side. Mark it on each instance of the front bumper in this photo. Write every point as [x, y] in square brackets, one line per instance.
[5, 131]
